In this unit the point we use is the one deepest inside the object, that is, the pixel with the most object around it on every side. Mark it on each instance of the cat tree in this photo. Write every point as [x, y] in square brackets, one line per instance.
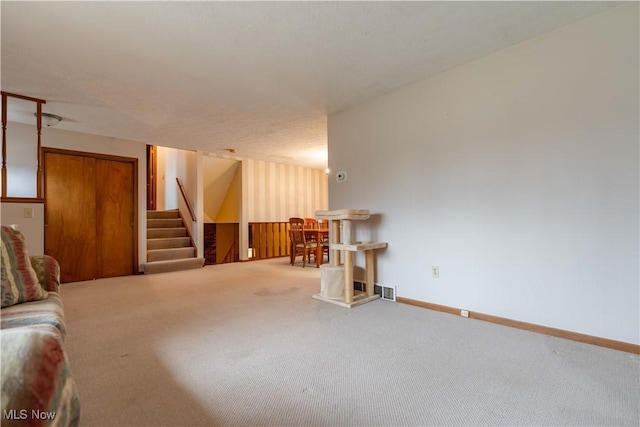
[336, 280]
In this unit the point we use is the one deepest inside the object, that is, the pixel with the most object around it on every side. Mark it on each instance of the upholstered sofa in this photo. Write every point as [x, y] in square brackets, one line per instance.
[37, 386]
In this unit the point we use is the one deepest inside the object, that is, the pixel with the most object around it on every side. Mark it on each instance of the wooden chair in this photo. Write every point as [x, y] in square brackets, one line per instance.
[311, 223]
[299, 244]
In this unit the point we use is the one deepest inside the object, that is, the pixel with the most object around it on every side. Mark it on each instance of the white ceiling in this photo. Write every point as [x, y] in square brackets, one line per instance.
[259, 77]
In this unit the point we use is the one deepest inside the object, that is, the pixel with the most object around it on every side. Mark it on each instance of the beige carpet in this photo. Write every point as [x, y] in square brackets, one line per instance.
[245, 344]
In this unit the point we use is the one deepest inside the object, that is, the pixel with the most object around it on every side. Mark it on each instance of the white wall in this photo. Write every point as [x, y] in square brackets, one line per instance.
[22, 160]
[58, 138]
[183, 164]
[32, 228]
[516, 174]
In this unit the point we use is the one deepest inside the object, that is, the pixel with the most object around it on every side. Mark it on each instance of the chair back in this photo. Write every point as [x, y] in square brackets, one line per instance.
[297, 227]
[323, 224]
[310, 223]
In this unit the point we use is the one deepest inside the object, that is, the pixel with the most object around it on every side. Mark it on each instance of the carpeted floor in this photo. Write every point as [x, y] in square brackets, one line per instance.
[245, 344]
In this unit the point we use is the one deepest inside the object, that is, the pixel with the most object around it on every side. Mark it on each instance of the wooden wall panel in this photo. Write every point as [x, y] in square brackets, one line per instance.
[269, 233]
[270, 239]
[262, 240]
[276, 240]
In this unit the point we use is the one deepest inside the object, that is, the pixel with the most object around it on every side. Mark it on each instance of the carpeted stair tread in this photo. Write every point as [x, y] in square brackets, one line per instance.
[169, 254]
[169, 247]
[168, 242]
[173, 265]
[164, 223]
[159, 233]
[172, 214]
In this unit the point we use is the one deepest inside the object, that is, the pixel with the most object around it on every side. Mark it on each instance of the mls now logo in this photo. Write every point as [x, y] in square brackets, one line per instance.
[23, 414]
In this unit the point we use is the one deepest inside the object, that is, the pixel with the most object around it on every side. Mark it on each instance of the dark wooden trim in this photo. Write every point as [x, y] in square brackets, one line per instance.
[560, 333]
[22, 200]
[152, 170]
[26, 98]
[88, 154]
[39, 150]
[136, 215]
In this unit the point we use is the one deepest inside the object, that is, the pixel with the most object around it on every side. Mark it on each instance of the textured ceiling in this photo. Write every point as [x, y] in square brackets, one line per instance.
[259, 77]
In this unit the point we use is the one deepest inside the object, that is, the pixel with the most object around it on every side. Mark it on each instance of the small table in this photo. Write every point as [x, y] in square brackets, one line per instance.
[317, 234]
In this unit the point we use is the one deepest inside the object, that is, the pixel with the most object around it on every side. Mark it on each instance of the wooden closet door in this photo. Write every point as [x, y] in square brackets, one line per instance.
[70, 223]
[90, 214]
[115, 218]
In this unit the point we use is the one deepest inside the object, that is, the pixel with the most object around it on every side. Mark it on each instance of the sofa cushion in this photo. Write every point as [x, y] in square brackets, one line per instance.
[19, 280]
[36, 379]
[49, 311]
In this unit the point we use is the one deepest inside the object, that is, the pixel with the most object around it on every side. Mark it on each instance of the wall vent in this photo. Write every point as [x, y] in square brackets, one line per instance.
[385, 292]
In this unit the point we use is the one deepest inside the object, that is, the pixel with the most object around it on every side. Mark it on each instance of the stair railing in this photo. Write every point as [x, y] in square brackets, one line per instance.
[269, 239]
[186, 200]
[232, 254]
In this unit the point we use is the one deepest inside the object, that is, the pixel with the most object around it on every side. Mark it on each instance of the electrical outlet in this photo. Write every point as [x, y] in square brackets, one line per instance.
[28, 212]
[464, 313]
[435, 272]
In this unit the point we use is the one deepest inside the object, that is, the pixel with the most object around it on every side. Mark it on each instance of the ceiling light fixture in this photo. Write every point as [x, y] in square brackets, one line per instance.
[49, 119]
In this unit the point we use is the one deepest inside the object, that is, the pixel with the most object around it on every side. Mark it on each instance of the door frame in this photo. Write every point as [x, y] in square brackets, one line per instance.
[100, 156]
[152, 170]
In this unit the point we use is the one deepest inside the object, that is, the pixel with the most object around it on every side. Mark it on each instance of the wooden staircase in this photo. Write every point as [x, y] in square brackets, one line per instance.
[169, 246]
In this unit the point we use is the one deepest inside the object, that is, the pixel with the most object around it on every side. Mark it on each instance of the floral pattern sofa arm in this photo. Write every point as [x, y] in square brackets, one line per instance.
[37, 387]
[48, 271]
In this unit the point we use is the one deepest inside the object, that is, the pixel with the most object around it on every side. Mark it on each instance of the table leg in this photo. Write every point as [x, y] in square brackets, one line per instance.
[291, 249]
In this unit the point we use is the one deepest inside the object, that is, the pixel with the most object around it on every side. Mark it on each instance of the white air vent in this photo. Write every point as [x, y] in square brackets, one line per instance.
[385, 292]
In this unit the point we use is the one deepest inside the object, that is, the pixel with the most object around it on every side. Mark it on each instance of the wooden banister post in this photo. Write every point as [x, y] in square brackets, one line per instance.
[4, 145]
[38, 153]
[39, 102]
